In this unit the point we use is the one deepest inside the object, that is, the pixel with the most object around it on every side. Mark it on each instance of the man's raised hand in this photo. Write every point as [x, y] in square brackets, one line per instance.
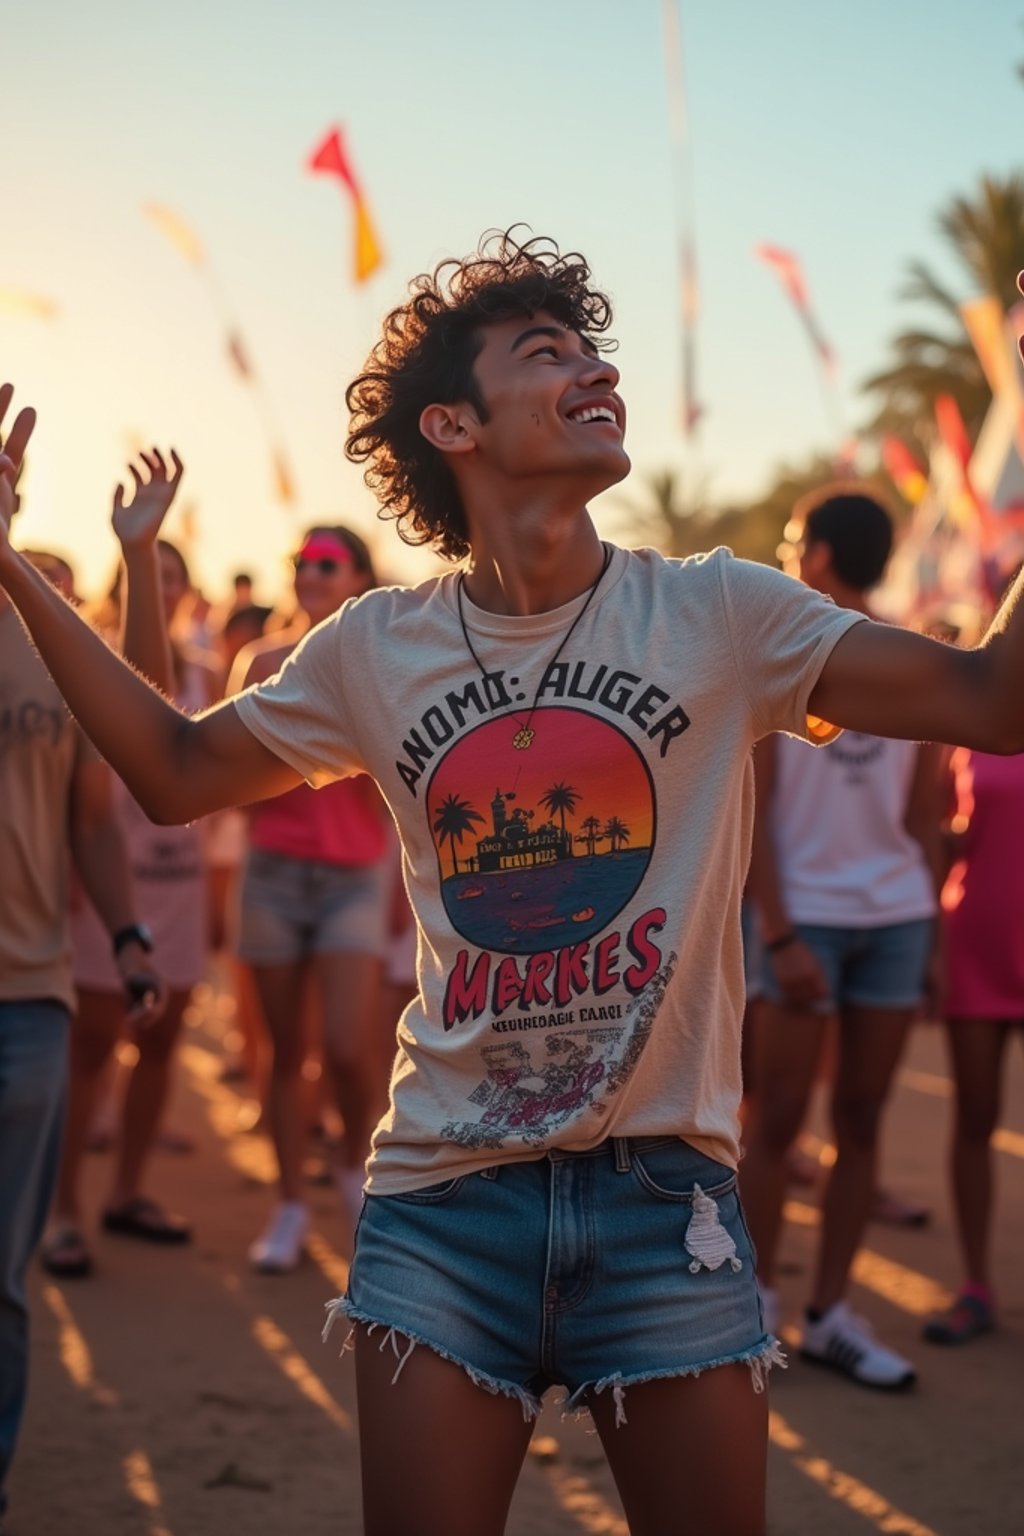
[138, 524]
[12, 456]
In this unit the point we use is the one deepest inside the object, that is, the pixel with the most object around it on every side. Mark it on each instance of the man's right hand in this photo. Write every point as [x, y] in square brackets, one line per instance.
[12, 456]
[799, 975]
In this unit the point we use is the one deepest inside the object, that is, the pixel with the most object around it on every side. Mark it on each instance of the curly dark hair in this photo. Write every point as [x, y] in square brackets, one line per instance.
[426, 355]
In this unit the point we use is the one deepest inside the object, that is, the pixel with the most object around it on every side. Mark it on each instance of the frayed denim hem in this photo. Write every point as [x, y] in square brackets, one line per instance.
[760, 1359]
[342, 1307]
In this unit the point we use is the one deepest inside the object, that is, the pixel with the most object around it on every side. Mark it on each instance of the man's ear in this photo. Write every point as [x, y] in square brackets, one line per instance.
[817, 561]
[448, 428]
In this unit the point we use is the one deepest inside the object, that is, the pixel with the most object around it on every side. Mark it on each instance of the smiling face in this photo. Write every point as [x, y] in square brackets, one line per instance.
[551, 405]
[326, 576]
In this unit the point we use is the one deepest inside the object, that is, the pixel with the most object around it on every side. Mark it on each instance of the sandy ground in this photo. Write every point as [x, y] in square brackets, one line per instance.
[176, 1394]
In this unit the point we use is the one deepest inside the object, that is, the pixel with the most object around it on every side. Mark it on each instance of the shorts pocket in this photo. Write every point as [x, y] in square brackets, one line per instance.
[670, 1172]
[431, 1194]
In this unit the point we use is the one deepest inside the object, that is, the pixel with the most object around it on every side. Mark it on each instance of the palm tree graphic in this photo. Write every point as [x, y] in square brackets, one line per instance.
[616, 832]
[561, 798]
[454, 818]
[591, 834]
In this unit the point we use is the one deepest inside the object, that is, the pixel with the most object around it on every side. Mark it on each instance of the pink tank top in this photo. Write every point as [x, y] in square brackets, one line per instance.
[343, 823]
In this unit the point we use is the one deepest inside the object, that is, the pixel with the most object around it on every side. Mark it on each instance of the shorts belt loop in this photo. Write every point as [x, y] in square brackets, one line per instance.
[622, 1159]
[489, 1173]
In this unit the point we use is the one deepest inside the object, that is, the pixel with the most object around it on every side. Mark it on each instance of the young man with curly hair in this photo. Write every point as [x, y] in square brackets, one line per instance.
[563, 730]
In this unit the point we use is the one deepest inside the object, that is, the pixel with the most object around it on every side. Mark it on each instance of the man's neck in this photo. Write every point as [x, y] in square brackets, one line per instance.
[532, 559]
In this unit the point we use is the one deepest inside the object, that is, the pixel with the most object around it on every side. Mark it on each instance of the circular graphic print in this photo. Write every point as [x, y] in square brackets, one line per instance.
[543, 847]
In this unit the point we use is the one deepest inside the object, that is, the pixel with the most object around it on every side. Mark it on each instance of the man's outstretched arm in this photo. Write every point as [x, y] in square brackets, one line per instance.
[890, 682]
[177, 768]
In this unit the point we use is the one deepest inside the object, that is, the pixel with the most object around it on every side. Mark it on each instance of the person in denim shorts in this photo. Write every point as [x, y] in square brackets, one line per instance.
[563, 731]
[847, 854]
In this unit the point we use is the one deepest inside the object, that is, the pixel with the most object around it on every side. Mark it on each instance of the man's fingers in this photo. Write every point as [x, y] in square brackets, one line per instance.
[15, 446]
[139, 482]
[6, 396]
[179, 468]
[118, 497]
[158, 459]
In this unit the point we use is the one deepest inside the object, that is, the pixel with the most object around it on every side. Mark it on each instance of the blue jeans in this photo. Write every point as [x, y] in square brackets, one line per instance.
[883, 967]
[33, 1082]
[596, 1270]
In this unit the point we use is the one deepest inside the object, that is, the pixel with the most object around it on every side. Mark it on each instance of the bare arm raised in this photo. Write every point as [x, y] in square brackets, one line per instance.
[177, 767]
[889, 682]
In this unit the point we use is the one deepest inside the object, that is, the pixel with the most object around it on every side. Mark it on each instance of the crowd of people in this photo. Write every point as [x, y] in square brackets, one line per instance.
[881, 890]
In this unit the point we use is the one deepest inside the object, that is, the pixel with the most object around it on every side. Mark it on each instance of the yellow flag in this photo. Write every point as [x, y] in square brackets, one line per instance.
[986, 326]
[15, 301]
[369, 255]
[173, 227]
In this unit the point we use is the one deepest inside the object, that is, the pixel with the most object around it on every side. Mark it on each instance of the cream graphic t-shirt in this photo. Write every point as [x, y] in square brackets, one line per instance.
[580, 968]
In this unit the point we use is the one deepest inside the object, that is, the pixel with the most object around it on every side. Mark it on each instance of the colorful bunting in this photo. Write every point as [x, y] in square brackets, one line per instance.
[692, 410]
[330, 158]
[907, 474]
[790, 273]
[187, 243]
[16, 301]
[173, 227]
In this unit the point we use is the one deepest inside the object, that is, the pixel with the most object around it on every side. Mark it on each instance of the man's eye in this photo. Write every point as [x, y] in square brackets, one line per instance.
[542, 351]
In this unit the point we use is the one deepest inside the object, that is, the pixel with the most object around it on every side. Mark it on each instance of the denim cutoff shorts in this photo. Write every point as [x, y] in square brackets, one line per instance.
[873, 967]
[289, 908]
[592, 1270]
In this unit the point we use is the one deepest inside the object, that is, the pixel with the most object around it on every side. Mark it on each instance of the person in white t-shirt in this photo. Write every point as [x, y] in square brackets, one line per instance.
[846, 860]
[563, 732]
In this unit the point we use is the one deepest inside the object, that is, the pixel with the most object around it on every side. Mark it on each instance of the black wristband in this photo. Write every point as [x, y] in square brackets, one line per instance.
[783, 941]
[134, 933]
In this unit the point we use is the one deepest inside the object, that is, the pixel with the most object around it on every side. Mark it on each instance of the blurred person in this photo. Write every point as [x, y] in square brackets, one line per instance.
[543, 1170]
[241, 586]
[982, 902]
[844, 872]
[313, 908]
[56, 569]
[54, 799]
[169, 884]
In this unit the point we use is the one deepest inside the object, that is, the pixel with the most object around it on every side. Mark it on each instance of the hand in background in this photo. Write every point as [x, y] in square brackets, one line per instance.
[144, 988]
[138, 524]
[12, 456]
[799, 975]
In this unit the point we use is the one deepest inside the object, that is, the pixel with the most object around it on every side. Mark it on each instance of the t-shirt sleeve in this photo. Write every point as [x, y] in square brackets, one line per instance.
[782, 633]
[302, 712]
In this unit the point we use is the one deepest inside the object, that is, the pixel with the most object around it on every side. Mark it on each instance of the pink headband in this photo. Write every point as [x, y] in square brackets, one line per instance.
[323, 547]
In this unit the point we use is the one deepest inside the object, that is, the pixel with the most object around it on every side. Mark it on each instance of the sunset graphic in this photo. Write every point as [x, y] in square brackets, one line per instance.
[540, 848]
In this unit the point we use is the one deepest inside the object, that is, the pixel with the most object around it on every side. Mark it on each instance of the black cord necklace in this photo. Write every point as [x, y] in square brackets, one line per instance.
[524, 736]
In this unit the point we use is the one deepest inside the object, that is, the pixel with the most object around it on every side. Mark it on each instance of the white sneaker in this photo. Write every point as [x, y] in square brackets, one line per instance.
[280, 1247]
[349, 1183]
[769, 1308]
[847, 1343]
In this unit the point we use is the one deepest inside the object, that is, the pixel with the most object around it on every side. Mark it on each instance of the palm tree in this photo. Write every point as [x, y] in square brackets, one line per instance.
[616, 832]
[985, 235]
[454, 818]
[676, 517]
[561, 798]
[591, 834]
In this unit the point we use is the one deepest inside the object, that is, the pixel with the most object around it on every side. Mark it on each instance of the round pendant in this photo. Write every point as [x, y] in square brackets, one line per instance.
[522, 738]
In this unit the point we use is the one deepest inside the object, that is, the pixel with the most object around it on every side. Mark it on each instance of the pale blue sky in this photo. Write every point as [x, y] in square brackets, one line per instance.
[836, 131]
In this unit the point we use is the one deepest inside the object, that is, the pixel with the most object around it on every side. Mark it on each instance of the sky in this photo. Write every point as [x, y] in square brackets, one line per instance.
[837, 132]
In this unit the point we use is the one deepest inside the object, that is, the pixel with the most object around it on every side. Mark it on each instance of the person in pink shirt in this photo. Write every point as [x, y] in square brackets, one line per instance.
[984, 958]
[314, 907]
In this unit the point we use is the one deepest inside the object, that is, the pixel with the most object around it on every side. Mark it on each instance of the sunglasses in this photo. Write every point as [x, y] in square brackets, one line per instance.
[324, 565]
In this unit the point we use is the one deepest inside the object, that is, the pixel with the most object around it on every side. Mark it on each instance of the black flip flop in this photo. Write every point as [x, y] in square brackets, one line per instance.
[64, 1254]
[147, 1221]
